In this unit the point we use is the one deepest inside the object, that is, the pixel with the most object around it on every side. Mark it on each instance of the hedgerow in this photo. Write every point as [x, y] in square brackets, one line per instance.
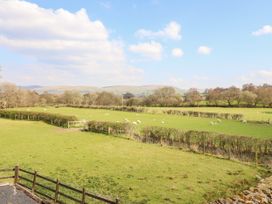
[228, 116]
[239, 147]
[53, 119]
[113, 128]
[114, 108]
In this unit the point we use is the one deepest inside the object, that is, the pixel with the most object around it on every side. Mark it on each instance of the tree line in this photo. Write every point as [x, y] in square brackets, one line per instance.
[249, 95]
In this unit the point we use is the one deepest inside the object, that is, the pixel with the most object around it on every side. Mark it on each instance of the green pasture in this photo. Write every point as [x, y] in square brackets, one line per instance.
[259, 114]
[181, 122]
[135, 172]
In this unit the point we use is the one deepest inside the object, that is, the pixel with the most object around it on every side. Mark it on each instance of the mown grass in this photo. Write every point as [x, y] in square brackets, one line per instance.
[181, 122]
[135, 172]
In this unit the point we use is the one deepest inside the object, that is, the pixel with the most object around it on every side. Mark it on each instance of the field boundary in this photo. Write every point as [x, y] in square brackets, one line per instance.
[42, 195]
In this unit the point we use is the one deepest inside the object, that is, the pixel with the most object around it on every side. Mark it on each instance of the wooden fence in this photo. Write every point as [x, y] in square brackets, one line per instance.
[76, 124]
[32, 185]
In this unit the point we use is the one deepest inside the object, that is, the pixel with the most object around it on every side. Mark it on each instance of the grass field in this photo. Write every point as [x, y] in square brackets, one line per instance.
[136, 172]
[181, 122]
[260, 114]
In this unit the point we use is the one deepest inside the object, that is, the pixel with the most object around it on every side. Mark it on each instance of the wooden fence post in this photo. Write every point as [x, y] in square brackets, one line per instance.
[204, 141]
[229, 153]
[34, 182]
[83, 196]
[57, 191]
[16, 174]
[256, 156]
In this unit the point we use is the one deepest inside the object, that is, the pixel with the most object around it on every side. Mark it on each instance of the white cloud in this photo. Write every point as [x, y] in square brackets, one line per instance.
[204, 50]
[267, 29]
[61, 40]
[265, 74]
[177, 52]
[258, 77]
[171, 31]
[151, 49]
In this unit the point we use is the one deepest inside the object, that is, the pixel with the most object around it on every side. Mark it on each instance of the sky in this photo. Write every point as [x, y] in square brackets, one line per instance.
[180, 43]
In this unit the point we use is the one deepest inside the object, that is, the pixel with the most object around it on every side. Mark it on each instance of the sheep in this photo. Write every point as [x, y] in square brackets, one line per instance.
[134, 123]
[244, 121]
[162, 122]
[213, 123]
[138, 121]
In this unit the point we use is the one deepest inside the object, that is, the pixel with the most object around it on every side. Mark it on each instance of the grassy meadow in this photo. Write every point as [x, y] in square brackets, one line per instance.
[181, 122]
[259, 114]
[135, 172]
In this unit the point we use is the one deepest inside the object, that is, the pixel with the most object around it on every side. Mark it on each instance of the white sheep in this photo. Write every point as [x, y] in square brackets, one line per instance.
[244, 121]
[138, 121]
[134, 123]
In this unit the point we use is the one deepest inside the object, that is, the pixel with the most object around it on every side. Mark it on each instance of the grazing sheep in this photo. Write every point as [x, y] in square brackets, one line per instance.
[138, 121]
[162, 122]
[244, 121]
[219, 120]
[134, 123]
[213, 123]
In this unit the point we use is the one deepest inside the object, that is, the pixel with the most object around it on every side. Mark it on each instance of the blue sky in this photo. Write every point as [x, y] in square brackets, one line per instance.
[181, 43]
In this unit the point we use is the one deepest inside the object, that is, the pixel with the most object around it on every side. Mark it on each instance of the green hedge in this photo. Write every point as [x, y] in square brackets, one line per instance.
[240, 147]
[53, 119]
[112, 128]
[267, 122]
[228, 116]
[115, 108]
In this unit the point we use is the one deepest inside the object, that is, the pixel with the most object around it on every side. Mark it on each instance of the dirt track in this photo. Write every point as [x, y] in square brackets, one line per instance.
[11, 195]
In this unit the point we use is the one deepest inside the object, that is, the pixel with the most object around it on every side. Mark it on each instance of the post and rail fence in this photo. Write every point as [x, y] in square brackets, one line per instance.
[31, 178]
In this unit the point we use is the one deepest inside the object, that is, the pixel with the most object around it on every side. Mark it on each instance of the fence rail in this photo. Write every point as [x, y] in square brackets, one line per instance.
[18, 179]
[76, 124]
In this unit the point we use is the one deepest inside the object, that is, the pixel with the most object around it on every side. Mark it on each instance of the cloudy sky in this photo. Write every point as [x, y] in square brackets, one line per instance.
[98, 43]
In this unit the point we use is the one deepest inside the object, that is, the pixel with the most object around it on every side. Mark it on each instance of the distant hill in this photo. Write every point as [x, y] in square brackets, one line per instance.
[136, 90]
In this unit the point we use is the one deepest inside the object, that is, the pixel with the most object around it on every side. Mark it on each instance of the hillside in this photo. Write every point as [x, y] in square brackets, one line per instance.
[136, 90]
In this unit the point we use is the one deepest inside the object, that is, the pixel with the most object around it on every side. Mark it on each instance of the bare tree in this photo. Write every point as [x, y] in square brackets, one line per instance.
[193, 97]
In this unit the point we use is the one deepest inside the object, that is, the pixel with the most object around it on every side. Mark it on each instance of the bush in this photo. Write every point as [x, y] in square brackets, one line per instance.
[53, 119]
[114, 108]
[113, 128]
[240, 147]
[205, 114]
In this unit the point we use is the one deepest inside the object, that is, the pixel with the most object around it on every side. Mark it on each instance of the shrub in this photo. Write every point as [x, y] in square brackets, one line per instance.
[240, 147]
[53, 119]
[115, 108]
[205, 114]
[113, 128]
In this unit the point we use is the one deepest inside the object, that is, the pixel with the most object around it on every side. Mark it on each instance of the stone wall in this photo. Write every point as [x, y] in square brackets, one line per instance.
[262, 194]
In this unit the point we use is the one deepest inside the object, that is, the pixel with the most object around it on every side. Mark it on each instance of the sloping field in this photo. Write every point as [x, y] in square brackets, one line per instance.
[182, 122]
[136, 172]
